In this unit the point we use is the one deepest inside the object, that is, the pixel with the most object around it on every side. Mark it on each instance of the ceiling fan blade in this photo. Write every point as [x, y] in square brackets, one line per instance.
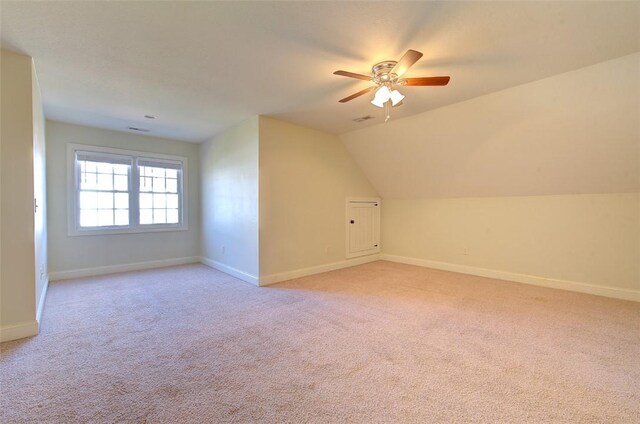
[398, 104]
[426, 81]
[352, 75]
[409, 58]
[358, 94]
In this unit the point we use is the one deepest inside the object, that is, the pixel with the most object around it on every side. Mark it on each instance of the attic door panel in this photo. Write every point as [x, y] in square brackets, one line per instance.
[363, 234]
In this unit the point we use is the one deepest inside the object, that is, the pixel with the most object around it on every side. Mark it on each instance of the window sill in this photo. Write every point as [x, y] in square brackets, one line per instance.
[130, 230]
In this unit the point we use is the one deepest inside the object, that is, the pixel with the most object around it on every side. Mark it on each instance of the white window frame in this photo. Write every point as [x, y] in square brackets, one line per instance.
[73, 198]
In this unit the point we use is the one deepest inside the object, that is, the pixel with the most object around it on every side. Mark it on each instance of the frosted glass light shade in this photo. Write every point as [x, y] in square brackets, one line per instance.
[396, 97]
[382, 96]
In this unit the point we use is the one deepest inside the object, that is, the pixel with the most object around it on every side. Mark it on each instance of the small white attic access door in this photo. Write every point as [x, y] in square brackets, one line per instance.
[363, 226]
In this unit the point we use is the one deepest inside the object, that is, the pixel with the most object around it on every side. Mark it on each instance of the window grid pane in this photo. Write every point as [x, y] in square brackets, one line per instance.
[103, 194]
[119, 190]
[159, 197]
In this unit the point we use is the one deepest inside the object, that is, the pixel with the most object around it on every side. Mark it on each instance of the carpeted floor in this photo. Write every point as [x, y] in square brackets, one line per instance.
[377, 343]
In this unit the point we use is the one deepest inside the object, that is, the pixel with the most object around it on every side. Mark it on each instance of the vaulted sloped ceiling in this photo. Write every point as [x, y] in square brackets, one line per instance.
[204, 66]
[574, 133]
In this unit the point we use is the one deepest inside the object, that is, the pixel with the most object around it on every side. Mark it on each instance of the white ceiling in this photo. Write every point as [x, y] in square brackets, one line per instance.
[573, 133]
[203, 66]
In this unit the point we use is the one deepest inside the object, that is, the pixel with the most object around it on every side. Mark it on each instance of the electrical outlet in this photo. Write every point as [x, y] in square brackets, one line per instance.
[41, 271]
[327, 250]
[465, 251]
[222, 249]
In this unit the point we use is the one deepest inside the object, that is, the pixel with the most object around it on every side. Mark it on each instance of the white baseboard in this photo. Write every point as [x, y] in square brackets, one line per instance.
[519, 278]
[303, 272]
[18, 331]
[112, 269]
[43, 297]
[230, 270]
[26, 328]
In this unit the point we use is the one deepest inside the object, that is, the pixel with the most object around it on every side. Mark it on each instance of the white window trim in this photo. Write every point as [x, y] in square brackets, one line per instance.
[73, 207]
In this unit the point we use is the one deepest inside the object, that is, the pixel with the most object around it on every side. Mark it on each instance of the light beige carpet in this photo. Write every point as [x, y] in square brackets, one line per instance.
[377, 343]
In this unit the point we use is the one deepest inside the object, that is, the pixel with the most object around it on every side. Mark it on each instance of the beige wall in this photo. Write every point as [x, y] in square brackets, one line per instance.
[17, 269]
[305, 177]
[229, 175]
[68, 254]
[540, 179]
[586, 238]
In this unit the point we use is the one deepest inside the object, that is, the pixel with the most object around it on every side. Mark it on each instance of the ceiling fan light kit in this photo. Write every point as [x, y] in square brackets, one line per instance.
[387, 75]
[384, 94]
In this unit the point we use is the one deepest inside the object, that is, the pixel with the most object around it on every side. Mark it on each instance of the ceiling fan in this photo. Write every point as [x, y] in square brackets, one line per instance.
[386, 76]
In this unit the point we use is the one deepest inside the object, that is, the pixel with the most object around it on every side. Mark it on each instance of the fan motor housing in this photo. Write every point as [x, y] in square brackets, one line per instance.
[382, 72]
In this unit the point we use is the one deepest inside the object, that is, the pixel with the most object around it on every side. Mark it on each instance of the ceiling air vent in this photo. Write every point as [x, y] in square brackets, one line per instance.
[138, 129]
[364, 118]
